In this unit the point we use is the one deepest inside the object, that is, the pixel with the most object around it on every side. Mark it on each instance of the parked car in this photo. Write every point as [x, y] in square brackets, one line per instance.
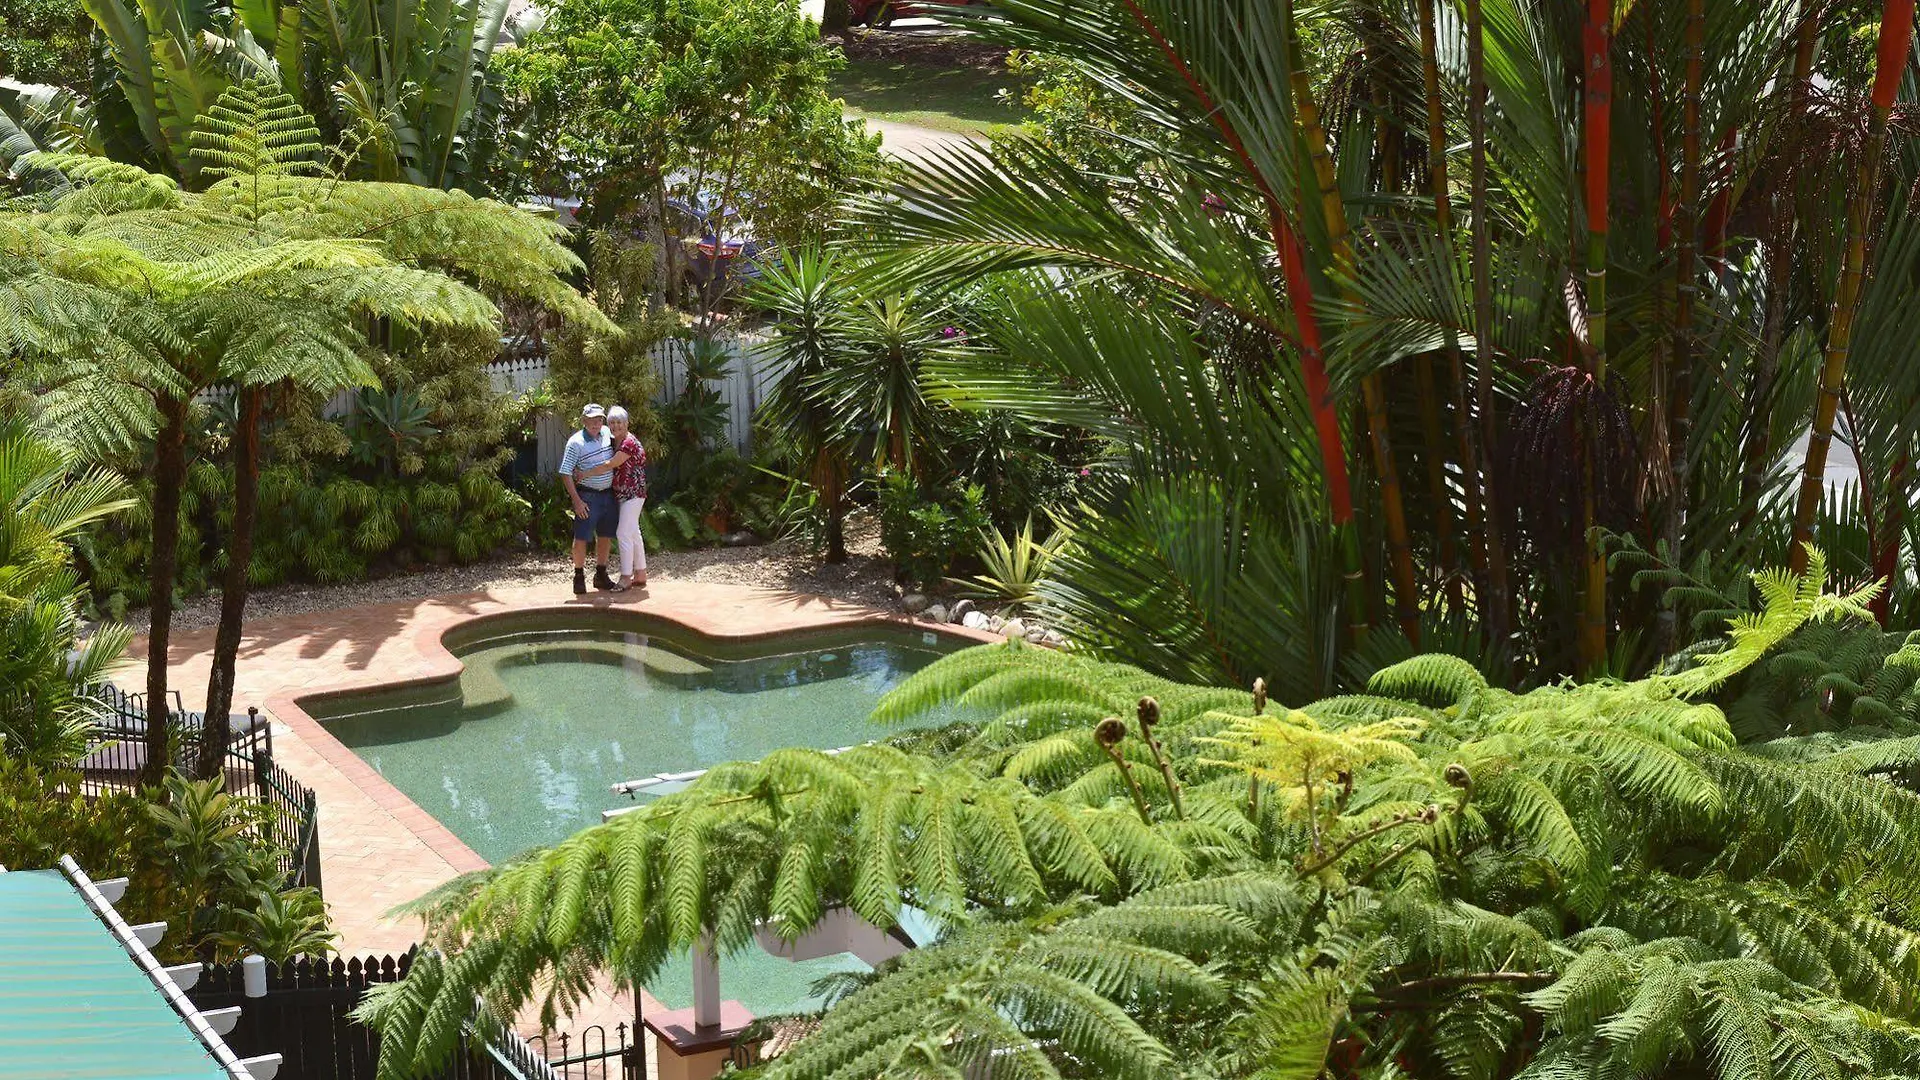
[883, 12]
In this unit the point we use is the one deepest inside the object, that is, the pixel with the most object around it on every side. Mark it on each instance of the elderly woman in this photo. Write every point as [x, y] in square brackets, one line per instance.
[630, 488]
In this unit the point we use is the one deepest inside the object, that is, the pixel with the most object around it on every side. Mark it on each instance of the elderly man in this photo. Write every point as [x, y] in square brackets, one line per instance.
[589, 483]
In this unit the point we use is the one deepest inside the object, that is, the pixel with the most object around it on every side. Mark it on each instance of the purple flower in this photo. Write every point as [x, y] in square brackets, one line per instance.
[949, 331]
[1084, 471]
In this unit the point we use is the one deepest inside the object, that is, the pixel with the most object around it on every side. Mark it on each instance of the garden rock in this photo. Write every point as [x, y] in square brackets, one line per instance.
[960, 610]
[974, 620]
[936, 613]
[915, 603]
[1037, 634]
[996, 624]
[1015, 628]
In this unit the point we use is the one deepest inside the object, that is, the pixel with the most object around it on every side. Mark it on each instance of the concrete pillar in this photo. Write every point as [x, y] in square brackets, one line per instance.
[706, 984]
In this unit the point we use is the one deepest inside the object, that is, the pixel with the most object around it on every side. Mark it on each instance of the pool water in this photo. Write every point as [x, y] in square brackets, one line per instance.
[523, 751]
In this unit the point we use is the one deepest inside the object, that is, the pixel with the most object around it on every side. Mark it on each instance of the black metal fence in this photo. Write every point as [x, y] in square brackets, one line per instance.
[117, 755]
[306, 1017]
[593, 1053]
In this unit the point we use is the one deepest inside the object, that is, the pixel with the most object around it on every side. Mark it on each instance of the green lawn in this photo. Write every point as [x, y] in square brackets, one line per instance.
[946, 98]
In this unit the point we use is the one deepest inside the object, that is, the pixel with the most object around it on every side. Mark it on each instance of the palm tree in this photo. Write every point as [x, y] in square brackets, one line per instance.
[44, 713]
[1269, 223]
[267, 278]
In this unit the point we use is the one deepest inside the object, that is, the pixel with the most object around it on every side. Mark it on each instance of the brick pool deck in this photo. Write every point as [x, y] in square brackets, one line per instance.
[378, 849]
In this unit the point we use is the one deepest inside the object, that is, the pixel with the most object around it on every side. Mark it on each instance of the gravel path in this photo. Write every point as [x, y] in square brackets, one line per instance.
[866, 577]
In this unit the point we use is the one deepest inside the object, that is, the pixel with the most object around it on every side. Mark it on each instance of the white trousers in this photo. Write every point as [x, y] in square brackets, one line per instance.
[633, 553]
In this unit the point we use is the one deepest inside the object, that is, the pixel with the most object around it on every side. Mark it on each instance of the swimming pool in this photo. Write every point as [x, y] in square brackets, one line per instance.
[551, 711]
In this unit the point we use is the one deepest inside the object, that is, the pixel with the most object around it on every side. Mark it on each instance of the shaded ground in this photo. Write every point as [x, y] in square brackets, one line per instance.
[959, 98]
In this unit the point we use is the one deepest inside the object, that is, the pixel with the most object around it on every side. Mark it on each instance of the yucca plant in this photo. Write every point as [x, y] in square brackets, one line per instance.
[1013, 566]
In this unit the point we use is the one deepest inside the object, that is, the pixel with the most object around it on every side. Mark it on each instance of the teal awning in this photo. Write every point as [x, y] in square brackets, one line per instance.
[73, 1003]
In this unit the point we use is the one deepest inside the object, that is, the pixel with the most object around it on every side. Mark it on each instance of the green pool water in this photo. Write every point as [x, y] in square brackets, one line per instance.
[524, 749]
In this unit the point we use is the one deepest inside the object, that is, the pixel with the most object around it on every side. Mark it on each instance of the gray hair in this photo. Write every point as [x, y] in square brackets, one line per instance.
[618, 412]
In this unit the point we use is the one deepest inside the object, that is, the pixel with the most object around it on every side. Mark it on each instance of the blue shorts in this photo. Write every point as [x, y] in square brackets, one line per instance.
[603, 515]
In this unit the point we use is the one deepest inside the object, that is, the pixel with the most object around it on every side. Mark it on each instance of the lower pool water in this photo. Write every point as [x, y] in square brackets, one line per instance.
[525, 748]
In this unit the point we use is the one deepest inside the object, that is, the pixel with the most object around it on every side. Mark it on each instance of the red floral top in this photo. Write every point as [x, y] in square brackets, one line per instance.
[630, 478]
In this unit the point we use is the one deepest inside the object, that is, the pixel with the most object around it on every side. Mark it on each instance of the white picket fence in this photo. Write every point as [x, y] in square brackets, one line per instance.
[750, 374]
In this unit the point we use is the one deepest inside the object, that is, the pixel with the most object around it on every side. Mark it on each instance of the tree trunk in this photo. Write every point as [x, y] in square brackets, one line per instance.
[836, 16]
[829, 482]
[1386, 143]
[1896, 30]
[1498, 611]
[1406, 593]
[169, 477]
[233, 587]
[1598, 45]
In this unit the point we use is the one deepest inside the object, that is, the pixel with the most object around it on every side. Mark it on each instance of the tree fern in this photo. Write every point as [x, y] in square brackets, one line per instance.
[1580, 880]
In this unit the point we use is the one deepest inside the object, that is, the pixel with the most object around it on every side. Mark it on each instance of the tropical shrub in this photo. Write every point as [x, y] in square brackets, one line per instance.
[43, 40]
[1141, 878]
[587, 365]
[632, 102]
[925, 528]
[198, 859]
[400, 88]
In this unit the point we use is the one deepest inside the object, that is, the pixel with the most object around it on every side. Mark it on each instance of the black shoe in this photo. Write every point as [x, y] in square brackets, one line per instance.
[580, 582]
[601, 580]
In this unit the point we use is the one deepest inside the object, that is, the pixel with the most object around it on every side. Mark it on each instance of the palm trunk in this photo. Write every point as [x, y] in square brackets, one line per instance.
[1896, 30]
[233, 587]
[1406, 592]
[1758, 428]
[1680, 399]
[1886, 561]
[1498, 611]
[1456, 370]
[1598, 44]
[1286, 244]
[169, 477]
[1326, 423]
[1386, 145]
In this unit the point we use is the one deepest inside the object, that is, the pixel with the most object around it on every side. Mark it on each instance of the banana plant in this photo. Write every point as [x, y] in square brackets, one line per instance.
[403, 84]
